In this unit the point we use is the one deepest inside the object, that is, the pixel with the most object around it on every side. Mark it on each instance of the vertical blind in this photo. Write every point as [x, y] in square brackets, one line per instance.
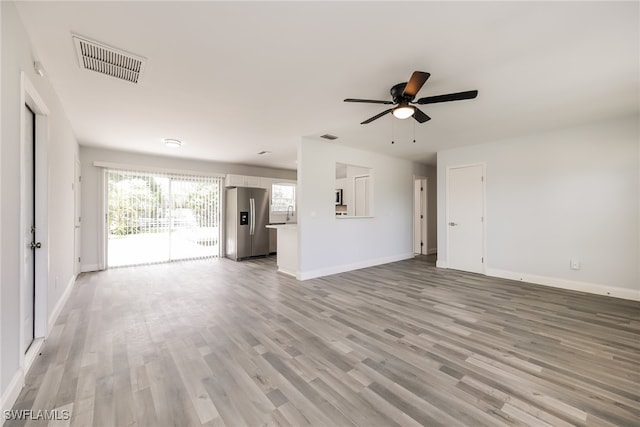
[159, 217]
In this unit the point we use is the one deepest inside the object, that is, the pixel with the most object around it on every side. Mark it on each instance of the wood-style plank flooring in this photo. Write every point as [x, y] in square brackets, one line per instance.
[220, 343]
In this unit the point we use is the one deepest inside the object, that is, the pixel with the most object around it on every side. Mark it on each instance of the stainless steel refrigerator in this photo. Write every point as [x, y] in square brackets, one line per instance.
[247, 215]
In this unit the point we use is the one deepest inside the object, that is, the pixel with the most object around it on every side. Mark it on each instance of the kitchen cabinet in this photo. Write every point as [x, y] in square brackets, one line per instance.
[246, 181]
[273, 241]
[287, 258]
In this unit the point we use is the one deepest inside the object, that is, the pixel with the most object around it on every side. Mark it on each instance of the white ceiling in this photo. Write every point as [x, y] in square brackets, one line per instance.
[231, 79]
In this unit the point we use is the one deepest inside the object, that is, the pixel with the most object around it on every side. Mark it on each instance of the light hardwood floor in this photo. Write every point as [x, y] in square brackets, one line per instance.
[220, 343]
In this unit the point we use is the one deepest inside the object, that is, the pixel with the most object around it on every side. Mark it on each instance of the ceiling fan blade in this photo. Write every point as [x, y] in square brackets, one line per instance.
[376, 116]
[470, 94]
[420, 116]
[415, 83]
[368, 101]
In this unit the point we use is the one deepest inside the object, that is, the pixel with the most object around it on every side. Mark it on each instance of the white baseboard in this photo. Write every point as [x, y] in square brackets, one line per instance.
[305, 275]
[32, 353]
[11, 394]
[592, 288]
[432, 251]
[61, 302]
[441, 264]
[85, 268]
[287, 272]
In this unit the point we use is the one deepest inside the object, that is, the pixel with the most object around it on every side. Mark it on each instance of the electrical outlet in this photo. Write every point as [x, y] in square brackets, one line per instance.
[575, 264]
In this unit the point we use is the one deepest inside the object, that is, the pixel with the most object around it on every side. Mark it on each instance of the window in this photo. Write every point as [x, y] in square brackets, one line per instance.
[283, 197]
[160, 217]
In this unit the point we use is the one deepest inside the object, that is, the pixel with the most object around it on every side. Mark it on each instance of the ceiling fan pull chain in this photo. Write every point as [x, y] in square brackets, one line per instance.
[392, 130]
[414, 132]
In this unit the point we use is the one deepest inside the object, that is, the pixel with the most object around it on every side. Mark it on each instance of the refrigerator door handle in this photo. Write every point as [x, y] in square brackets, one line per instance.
[252, 215]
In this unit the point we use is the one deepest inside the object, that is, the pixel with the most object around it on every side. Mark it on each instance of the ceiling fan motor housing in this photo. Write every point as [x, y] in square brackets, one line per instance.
[397, 93]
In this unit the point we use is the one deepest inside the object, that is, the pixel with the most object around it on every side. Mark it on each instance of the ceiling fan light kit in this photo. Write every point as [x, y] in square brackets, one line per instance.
[403, 111]
[403, 94]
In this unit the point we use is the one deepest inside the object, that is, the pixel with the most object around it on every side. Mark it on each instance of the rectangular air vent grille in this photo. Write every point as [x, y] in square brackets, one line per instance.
[94, 56]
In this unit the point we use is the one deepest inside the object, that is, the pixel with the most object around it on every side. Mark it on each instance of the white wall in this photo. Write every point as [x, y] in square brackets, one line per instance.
[330, 245]
[92, 186]
[17, 56]
[556, 196]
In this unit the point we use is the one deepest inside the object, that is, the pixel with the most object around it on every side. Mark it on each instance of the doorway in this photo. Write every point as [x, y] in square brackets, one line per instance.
[420, 216]
[33, 251]
[465, 218]
[29, 284]
[77, 191]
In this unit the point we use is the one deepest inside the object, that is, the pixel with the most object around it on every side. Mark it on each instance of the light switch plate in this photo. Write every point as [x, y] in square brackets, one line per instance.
[575, 264]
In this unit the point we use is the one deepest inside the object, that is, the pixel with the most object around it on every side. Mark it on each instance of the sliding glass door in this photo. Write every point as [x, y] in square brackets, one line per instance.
[156, 217]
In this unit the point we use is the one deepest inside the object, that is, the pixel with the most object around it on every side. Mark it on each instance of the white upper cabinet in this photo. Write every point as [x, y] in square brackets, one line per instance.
[247, 181]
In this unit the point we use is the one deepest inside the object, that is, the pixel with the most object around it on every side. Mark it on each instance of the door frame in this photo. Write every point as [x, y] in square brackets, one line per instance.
[483, 165]
[29, 96]
[103, 226]
[417, 209]
[77, 215]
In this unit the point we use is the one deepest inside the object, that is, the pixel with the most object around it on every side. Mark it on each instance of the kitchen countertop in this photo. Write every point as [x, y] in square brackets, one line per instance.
[286, 225]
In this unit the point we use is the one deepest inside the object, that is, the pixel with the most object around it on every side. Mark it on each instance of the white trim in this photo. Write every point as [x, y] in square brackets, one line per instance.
[77, 215]
[143, 168]
[441, 264]
[483, 165]
[61, 302]
[432, 251]
[592, 288]
[85, 268]
[102, 222]
[11, 393]
[29, 90]
[424, 237]
[29, 96]
[288, 273]
[30, 356]
[350, 267]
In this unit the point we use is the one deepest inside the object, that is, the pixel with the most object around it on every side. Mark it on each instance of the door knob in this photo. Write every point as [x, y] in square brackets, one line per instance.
[453, 224]
[35, 245]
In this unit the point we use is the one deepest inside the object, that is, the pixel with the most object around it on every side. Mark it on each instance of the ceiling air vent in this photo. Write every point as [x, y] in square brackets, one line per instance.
[94, 56]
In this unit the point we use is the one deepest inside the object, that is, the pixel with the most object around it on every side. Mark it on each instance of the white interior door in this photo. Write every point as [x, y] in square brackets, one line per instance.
[77, 221]
[28, 299]
[361, 190]
[465, 196]
[420, 216]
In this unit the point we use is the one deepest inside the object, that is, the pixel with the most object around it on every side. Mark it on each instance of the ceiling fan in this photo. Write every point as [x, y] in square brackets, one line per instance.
[403, 95]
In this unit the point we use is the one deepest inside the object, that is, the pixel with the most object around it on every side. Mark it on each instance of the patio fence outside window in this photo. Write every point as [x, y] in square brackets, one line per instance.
[161, 217]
